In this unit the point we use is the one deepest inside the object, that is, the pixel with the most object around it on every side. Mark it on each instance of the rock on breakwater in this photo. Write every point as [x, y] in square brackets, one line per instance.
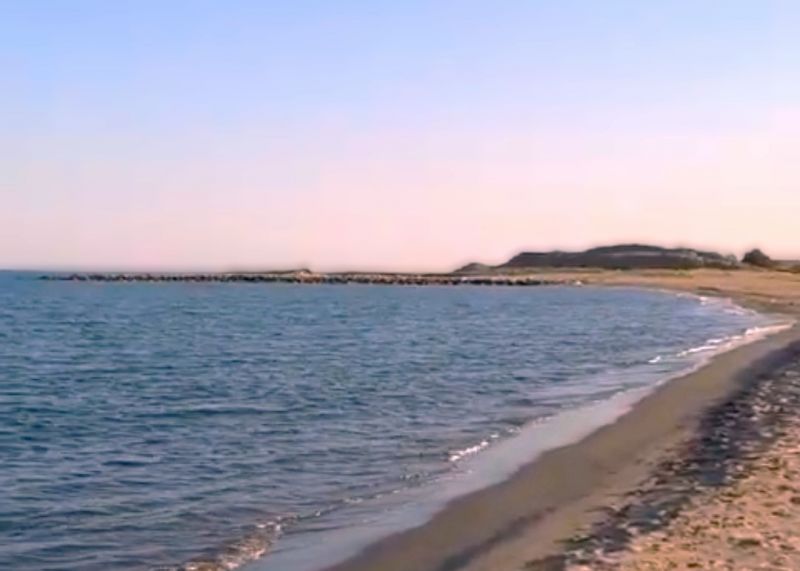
[314, 278]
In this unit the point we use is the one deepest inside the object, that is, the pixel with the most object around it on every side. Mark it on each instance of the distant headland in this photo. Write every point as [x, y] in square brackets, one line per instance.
[523, 269]
[633, 257]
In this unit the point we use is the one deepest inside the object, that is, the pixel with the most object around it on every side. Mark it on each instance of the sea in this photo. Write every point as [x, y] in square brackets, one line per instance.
[180, 426]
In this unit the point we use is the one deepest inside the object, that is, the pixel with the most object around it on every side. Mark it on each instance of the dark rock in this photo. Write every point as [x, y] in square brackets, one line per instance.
[475, 268]
[758, 258]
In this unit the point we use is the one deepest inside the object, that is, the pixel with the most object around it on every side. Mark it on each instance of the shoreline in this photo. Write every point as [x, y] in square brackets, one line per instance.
[531, 520]
[724, 500]
[524, 520]
[561, 431]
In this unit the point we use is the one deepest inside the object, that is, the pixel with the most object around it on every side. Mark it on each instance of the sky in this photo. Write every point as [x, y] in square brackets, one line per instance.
[392, 135]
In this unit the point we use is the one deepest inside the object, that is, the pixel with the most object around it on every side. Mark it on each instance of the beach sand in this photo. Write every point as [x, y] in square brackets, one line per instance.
[703, 473]
[730, 501]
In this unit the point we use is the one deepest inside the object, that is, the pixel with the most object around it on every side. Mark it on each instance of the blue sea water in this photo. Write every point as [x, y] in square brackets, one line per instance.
[159, 426]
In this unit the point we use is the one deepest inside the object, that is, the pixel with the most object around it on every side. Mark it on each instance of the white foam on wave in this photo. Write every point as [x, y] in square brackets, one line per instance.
[726, 304]
[766, 330]
[721, 344]
[247, 549]
[457, 455]
[698, 349]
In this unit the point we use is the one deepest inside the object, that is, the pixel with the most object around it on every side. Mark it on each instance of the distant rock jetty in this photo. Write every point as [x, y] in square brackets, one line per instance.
[524, 269]
[305, 277]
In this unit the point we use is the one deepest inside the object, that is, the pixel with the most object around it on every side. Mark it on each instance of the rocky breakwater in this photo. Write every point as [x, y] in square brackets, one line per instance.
[306, 277]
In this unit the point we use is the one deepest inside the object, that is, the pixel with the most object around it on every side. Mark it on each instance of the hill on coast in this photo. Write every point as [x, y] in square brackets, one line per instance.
[619, 257]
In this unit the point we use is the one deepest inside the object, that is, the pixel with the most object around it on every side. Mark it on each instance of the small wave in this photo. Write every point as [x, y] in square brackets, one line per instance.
[738, 310]
[713, 344]
[698, 349]
[252, 546]
[750, 334]
[766, 330]
[726, 304]
[656, 359]
[457, 455]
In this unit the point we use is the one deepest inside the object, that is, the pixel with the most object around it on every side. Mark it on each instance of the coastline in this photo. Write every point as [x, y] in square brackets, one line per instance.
[532, 520]
[545, 516]
[728, 500]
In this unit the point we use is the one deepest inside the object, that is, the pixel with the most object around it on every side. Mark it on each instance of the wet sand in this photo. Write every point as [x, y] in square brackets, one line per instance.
[630, 495]
[730, 500]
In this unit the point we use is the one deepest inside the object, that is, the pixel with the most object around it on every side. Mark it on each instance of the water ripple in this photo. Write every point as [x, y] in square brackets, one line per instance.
[181, 426]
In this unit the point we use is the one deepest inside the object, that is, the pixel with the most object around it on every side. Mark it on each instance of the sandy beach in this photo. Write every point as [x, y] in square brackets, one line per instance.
[399, 286]
[699, 474]
[730, 501]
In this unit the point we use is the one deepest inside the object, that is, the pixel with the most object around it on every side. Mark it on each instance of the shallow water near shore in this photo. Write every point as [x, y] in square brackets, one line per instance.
[148, 426]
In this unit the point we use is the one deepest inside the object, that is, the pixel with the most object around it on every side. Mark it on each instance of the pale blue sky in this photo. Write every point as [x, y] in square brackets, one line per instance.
[392, 134]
